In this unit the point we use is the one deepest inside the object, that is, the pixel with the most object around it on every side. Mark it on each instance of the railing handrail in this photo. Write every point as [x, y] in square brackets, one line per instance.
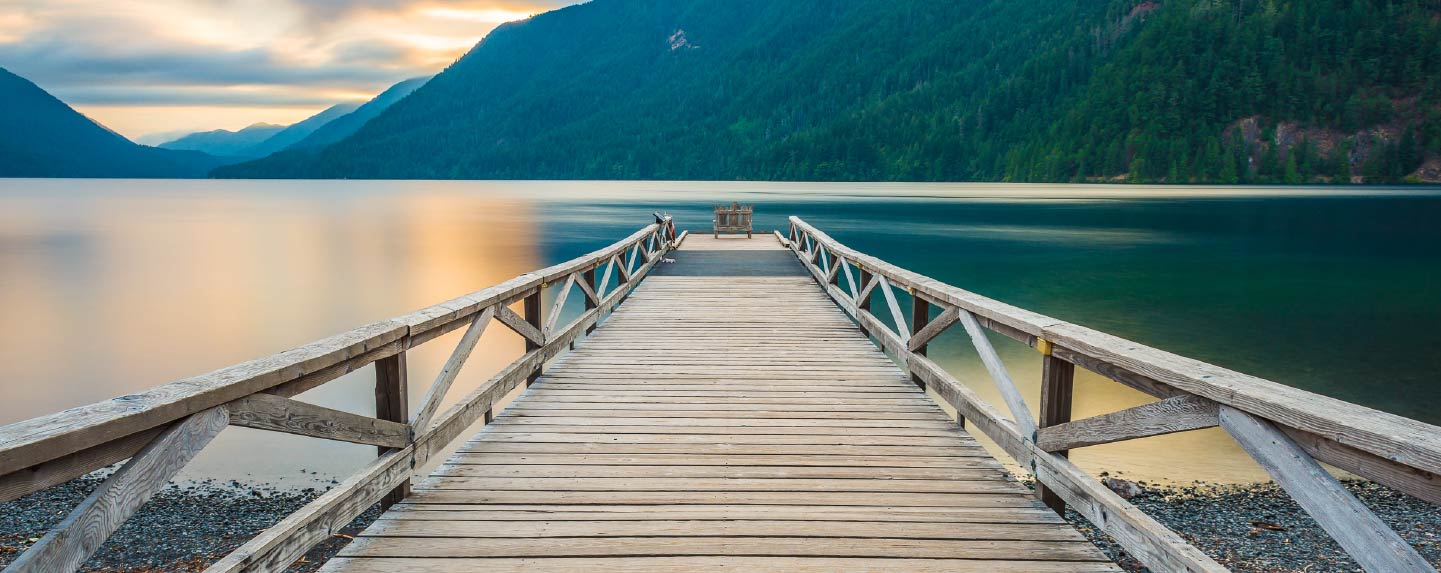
[45, 438]
[1283, 428]
[1395, 438]
[159, 430]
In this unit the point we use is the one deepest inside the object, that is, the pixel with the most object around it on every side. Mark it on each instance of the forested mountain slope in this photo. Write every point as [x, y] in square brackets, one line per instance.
[40, 136]
[1021, 90]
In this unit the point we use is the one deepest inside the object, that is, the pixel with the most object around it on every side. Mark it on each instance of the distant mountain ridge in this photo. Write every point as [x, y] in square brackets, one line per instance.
[345, 126]
[300, 130]
[40, 136]
[226, 143]
[1226, 91]
[260, 140]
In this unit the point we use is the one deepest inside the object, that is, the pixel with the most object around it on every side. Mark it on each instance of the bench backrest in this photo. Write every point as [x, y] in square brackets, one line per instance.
[734, 217]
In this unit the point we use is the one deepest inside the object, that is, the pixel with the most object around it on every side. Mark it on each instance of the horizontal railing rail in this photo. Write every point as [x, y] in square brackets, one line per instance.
[159, 430]
[1283, 428]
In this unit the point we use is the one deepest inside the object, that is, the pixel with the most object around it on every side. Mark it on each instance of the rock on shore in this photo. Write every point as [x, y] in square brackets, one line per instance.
[1258, 528]
[183, 528]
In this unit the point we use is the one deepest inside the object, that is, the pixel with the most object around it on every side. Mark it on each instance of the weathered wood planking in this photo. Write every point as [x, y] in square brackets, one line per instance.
[1393, 450]
[82, 532]
[714, 421]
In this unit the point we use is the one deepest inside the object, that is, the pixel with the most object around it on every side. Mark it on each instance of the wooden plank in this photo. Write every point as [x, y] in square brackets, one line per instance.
[700, 485]
[1179, 414]
[276, 548]
[1405, 441]
[718, 546]
[25, 444]
[392, 403]
[33, 442]
[518, 324]
[613, 513]
[901, 329]
[1363, 535]
[60, 470]
[277, 414]
[558, 305]
[876, 461]
[763, 498]
[1020, 413]
[1057, 387]
[587, 278]
[978, 471]
[711, 564]
[690, 529]
[72, 541]
[932, 329]
[431, 403]
[1146, 539]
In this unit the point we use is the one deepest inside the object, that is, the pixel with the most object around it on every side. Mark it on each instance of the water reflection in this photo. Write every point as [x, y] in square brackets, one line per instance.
[109, 287]
[111, 291]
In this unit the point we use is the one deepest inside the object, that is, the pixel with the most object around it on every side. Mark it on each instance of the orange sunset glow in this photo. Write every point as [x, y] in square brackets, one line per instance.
[160, 67]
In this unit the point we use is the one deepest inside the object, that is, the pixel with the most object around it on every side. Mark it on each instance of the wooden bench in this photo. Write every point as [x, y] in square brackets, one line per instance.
[735, 218]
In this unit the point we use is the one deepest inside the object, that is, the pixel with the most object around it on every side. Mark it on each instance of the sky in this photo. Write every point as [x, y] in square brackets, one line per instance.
[153, 68]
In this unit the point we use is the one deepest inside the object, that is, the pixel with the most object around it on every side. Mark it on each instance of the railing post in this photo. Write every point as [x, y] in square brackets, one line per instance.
[864, 304]
[920, 316]
[589, 278]
[532, 315]
[1057, 385]
[392, 404]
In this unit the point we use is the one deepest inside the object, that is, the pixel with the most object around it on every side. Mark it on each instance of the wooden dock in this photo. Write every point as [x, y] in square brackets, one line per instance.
[720, 404]
[737, 421]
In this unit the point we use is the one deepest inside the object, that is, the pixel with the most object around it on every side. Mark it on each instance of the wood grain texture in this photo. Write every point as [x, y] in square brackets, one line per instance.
[1178, 414]
[1396, 451]
[1364, 536]
[451, 368]
[683, 427]
[1020, 412]
[26, 445]
[711, 564]
[518, 324]
[1058, 382]
[277, 414]
[76, 537]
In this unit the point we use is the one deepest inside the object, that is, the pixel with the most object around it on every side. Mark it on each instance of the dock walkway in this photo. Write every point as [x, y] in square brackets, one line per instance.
[721, 404]
[727, 416]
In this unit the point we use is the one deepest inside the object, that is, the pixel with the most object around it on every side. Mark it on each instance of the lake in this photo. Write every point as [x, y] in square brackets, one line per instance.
[112, 286]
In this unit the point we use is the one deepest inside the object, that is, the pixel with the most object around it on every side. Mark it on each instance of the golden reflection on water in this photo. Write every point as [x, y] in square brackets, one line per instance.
[110, 295]
[111, 287]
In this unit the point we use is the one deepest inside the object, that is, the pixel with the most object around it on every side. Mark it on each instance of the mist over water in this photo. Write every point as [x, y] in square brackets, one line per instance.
[109, 287]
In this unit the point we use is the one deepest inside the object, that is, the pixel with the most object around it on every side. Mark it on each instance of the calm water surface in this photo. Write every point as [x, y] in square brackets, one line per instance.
[109, 287]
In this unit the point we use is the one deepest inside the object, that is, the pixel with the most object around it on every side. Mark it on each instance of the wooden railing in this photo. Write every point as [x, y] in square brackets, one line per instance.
[161, 429]
[1285, 429]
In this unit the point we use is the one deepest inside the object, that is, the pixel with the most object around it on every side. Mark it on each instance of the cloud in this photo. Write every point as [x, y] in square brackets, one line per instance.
[239, 52]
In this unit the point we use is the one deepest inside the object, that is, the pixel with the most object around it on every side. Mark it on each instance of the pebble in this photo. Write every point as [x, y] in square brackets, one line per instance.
[1258, 528]
[184, 528]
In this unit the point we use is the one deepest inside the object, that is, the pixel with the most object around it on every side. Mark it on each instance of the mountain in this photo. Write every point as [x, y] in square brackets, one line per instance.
[226, 143]
[347, 125]
[1021, 90]
[299, 131]
[40, 136]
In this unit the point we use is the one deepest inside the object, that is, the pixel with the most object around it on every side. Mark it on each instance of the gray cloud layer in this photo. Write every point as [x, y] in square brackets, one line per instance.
[88, 58]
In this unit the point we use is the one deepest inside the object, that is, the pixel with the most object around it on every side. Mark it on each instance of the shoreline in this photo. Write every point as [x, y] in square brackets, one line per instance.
[198, 523]
[1246, 527]
[1258, 528]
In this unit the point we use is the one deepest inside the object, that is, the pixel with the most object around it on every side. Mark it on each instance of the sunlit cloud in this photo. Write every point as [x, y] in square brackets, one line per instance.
[262, 60]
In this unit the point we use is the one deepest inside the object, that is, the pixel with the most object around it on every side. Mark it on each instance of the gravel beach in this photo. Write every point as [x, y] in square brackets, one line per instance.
[1252, 528]
[183, 528]
[1258, 528]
